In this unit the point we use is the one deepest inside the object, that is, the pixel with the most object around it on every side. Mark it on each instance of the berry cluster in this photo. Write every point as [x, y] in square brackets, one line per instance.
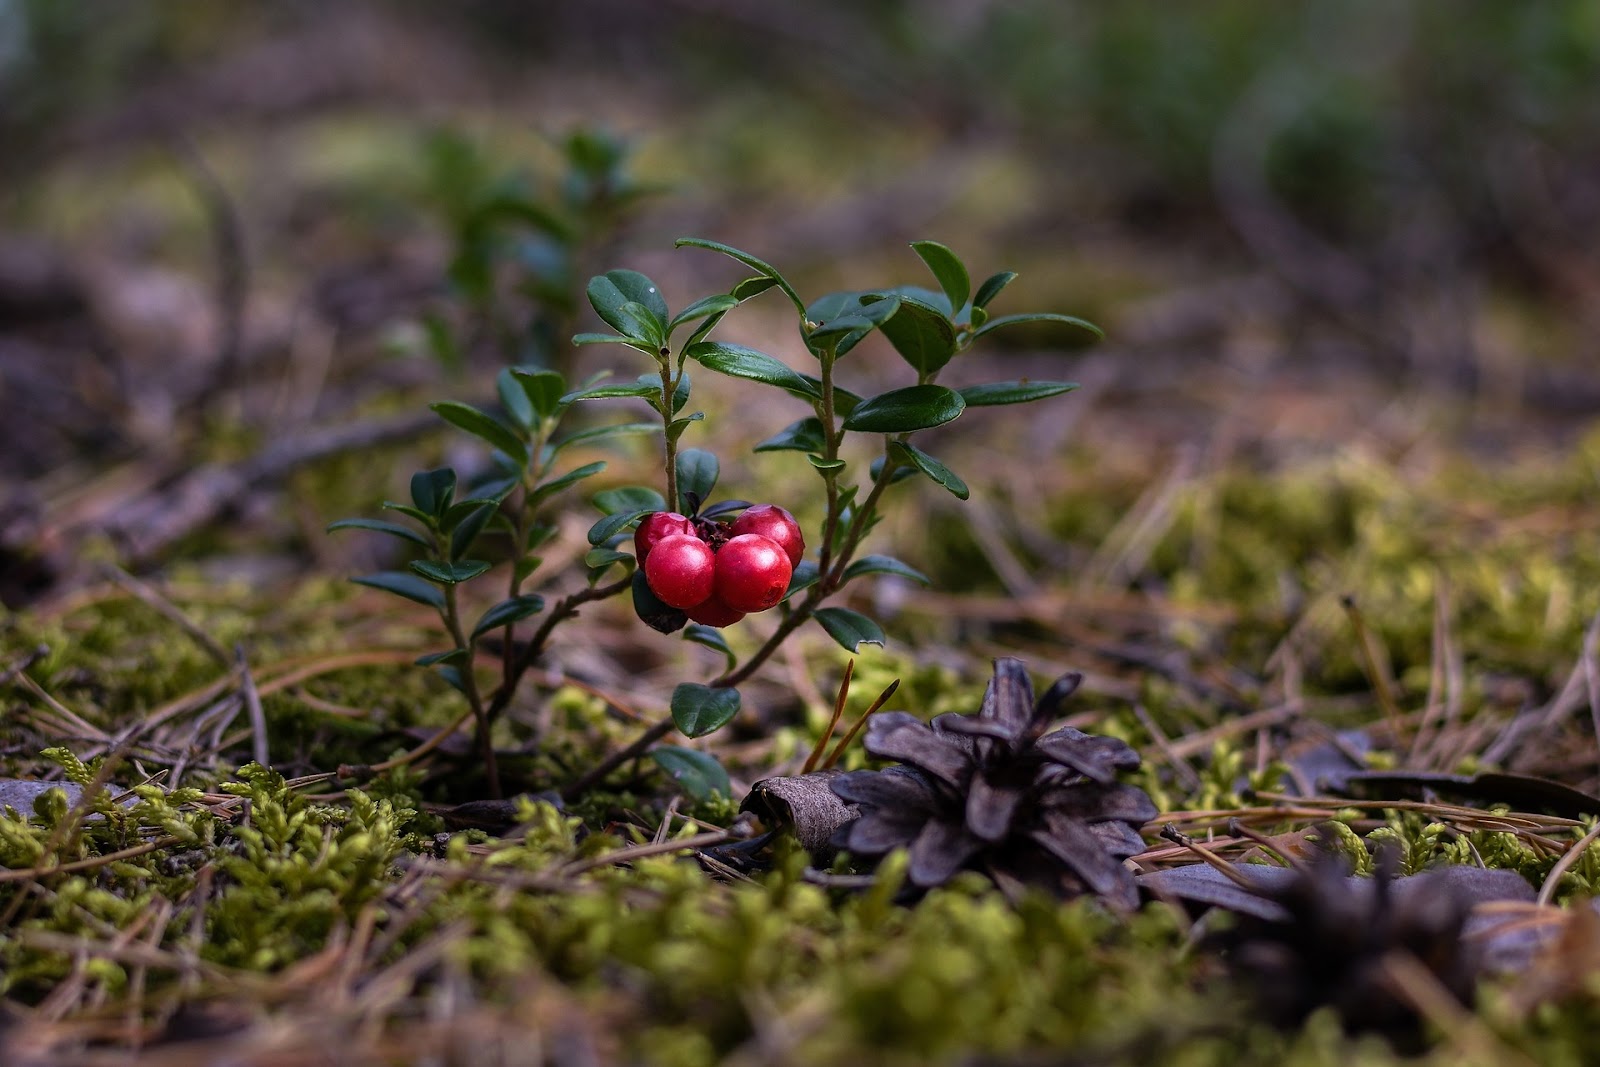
[714, 572]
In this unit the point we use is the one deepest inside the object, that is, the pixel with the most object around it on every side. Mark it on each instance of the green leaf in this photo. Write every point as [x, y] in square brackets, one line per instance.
[629, 498]
[698, 773]
[508, 611]
[484, 426]
[901, 472]
[991, 287]
[401, 584]
[804, 576]
[596, 433]
[699, 709]
[602, 557]
[826, 464]
[751, 287]
[651, 611]
[545, 490]
[615, 339]
[676, 427]
[611, 293]
[921, 333]
[450, 573]
[680, 391]
[544, 389]
[432, 658]
[415, 513]
[760, 266]
[884, 565]
[710, 305]
[846, 317]
[393, 529]
[991, 394]
[932, 468]
[948, 268]
[712, 638]
[697, 476]
[915, 407]
[641, 388]
[803, 435]
[452, 675]
[431, 490]
[740, 362]
[514, 399]
[1041, 316]
[466, 531]
[850, 628]
[613, 524]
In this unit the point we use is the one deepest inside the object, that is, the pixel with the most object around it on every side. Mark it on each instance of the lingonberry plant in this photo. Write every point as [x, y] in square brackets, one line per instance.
[698, 565]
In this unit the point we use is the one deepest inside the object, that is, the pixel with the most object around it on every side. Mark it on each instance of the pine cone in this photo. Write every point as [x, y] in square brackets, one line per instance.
[987, 792]
[1334, 947]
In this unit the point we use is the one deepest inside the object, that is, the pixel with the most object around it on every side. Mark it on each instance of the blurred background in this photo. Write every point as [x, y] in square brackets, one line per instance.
[242, 238]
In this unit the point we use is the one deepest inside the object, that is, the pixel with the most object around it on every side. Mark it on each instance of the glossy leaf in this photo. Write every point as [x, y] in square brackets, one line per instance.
[629, 498]
[393, 529]
[697, 709]
[407, 585]
[921, 332]
[843, 320]
[915, 407]
[676, 427]
[598, 433]
[544, 389]
[613, 524]
[932, 468]
[740, 362]
[723, 507]
[1041, 316]
[510, 610]
[947, 268]
[545, 490]
[611, 293]
[651, 611]
[514, 399]
[406, 509]
[431, 490]
[844, 401]
[826, 464]
[850, 628]
[466, 531]
[451, 656]
[991, 287]
[804, 576]
[760, 266]
[697, 476]
[615, 339]
[803, 435]
[450, 573]
[712, 638]
[884, 565]
[710, 305]
[991, 394]
[641, 389]
[485, 427]
[698, 773]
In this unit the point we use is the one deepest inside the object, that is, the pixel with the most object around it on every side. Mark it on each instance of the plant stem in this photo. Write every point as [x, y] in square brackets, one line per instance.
[830, 452]
[469, 682]
[565, 608]
[598, 772]
[668, 387]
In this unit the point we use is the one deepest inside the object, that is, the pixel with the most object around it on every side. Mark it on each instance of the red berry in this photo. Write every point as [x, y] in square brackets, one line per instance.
[776, 525]
[752, 573]
[713, 612]
[680, 570]
[655, 526]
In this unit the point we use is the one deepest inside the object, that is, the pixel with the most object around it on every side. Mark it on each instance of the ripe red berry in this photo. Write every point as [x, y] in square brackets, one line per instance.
[752, 573]
[655, 526]
[713, 612]
[776, 525]
[680, 570]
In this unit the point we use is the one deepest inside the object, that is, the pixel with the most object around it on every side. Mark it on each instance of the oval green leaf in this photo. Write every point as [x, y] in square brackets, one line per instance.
[884, 565]
[1042, 316]
[611, 293]
[393, 529]
[544, 389]
[406, 585]
[921, 332]
[991, 287]
[760, 266]
[697, 476]
[450, 573]
[915, 407]
[948, 268]
[698, 773]
[598, 433]
[697, 709]
[710, 305]
[803, 435]
[738, 361]
[431, 490]
[932, 468]
[485, 427]
[508, 611]
[850, 628]
[713, 639]
[991, 394]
